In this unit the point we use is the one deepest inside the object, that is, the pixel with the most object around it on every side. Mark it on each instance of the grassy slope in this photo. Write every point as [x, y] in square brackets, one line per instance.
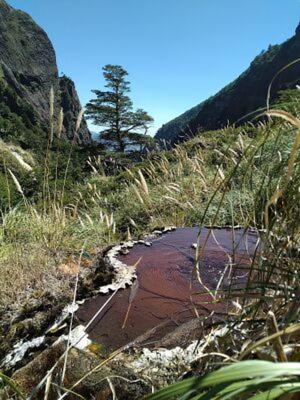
[184, 186]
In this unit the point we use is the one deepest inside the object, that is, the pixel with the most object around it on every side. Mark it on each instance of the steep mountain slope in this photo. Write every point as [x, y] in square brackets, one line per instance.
[241, 97]
[28, 67]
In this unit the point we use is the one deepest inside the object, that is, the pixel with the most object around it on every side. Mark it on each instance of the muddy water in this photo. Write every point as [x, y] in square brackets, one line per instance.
[168, 291]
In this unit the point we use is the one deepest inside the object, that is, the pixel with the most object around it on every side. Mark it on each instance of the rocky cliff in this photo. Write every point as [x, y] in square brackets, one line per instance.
[28, 66]
[241, 97]
[71, 105]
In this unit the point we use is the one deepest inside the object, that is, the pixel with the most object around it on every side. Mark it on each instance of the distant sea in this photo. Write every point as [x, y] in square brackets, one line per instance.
[96, 138]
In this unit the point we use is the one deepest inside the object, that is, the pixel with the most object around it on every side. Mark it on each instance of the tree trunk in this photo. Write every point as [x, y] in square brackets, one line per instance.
[122, 146]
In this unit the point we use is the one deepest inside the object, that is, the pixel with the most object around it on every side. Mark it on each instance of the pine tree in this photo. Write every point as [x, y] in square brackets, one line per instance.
[113, 110]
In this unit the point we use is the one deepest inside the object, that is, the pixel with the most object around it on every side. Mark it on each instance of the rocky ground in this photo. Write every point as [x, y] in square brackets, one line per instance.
[19, 327]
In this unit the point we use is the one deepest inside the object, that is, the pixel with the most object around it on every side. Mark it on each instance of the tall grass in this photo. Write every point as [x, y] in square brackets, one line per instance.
[274, 274]
[38, 235]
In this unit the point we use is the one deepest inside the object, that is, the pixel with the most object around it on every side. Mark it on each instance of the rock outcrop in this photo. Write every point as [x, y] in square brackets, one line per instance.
[71, 106]
[28, 66]
[243, 96]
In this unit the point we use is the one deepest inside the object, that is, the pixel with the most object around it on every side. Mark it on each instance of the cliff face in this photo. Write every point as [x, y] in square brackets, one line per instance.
[71, 106]
[28, 66]
[241, 97]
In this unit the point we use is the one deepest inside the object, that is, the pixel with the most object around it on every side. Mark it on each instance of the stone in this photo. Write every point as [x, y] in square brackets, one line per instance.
[95, 386]
[71, 106]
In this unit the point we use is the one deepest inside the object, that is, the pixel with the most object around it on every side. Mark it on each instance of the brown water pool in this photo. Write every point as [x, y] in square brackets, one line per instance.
[168, 291]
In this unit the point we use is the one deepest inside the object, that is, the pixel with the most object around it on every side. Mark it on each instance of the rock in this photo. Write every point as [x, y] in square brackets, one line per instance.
[71, 106]
[28, 65]
[65, 314]
[95, 386]
[29, 326]
[186, 333]
[169, 229]
[78, 338]
[124, 252]
[32, 373]
[145, 243]
[124, 274]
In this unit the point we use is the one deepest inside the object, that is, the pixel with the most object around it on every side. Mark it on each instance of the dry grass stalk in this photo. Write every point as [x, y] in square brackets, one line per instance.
[47, 387]
[79, 120]
[60, 123]
[129, 237]
[51, 114]
[16, 182]
[221, 173]
[112, 388]
[136, 191]
[133, 292]
[143, 183]
[290, 330]
[21, 161]
[72, 318]
[277, 342]
[78, 123]
[51, 103]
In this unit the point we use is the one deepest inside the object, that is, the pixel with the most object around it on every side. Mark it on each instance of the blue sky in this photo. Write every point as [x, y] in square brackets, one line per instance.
[177, 52]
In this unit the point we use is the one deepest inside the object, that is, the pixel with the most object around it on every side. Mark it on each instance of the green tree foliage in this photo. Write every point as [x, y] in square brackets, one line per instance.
[113, 110]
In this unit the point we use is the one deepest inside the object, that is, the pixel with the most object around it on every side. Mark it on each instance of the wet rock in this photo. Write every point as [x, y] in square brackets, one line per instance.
[169, 229]
[124, 381]
[186, 333]
[124, 252]
[78, 338]
[100, 274]
[124, 274]
[145, 243]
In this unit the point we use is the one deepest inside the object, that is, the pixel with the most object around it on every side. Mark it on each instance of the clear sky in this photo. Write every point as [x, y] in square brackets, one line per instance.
[177, 52]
